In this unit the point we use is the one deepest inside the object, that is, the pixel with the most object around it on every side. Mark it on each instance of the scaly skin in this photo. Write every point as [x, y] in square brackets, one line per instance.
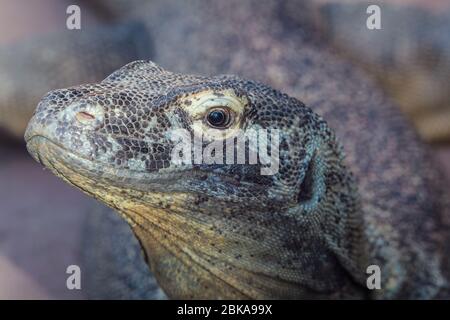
[400, 221]
[224, 231]
[203, 44]
[127, 164]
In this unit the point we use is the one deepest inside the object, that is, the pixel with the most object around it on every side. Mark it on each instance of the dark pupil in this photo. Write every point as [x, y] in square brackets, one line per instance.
[217, 118]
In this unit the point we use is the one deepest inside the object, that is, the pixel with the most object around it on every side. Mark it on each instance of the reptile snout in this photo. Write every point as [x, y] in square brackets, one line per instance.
[66, 118]
[84, 114]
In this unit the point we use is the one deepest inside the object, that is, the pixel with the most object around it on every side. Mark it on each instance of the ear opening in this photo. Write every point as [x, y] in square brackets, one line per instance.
[312, 186]
[306, 188]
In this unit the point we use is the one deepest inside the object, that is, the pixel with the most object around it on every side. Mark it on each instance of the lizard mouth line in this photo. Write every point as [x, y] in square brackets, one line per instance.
[43, 148]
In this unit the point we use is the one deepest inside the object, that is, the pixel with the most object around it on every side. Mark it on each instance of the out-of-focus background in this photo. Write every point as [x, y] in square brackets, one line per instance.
[41, 217]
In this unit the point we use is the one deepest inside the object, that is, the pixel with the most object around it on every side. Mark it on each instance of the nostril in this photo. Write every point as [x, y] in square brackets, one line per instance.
[88, 115]
[84, 116]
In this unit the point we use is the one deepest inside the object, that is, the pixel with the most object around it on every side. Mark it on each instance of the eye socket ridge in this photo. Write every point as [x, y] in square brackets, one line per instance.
[219, 117]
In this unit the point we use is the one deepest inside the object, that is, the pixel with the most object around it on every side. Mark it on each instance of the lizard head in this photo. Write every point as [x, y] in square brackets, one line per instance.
[221, 173]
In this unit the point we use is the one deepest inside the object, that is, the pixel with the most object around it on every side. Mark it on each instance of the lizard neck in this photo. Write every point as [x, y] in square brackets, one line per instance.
[200, 247]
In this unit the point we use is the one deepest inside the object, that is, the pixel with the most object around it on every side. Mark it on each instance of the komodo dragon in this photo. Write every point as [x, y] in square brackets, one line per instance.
[226, 231]
[402, 218]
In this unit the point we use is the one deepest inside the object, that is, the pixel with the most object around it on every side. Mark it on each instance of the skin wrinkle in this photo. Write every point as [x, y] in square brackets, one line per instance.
[199, 265]
[174, 243]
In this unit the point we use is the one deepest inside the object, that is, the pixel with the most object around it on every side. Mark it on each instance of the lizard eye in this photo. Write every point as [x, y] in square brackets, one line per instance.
[217, 114]
[219, 118]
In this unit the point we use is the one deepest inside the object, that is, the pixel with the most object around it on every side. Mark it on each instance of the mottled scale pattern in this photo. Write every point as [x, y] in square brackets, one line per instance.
[356, 186]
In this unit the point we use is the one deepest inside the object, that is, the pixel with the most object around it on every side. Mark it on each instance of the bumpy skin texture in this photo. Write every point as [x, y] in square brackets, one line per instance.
[32, 67]
[205, 228]
[251, 237]
[135, 109]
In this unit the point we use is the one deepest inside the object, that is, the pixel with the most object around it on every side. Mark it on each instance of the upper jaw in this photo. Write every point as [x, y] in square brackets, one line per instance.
[35, 135]
[52, 154]
[72, 166]
[33, 129]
